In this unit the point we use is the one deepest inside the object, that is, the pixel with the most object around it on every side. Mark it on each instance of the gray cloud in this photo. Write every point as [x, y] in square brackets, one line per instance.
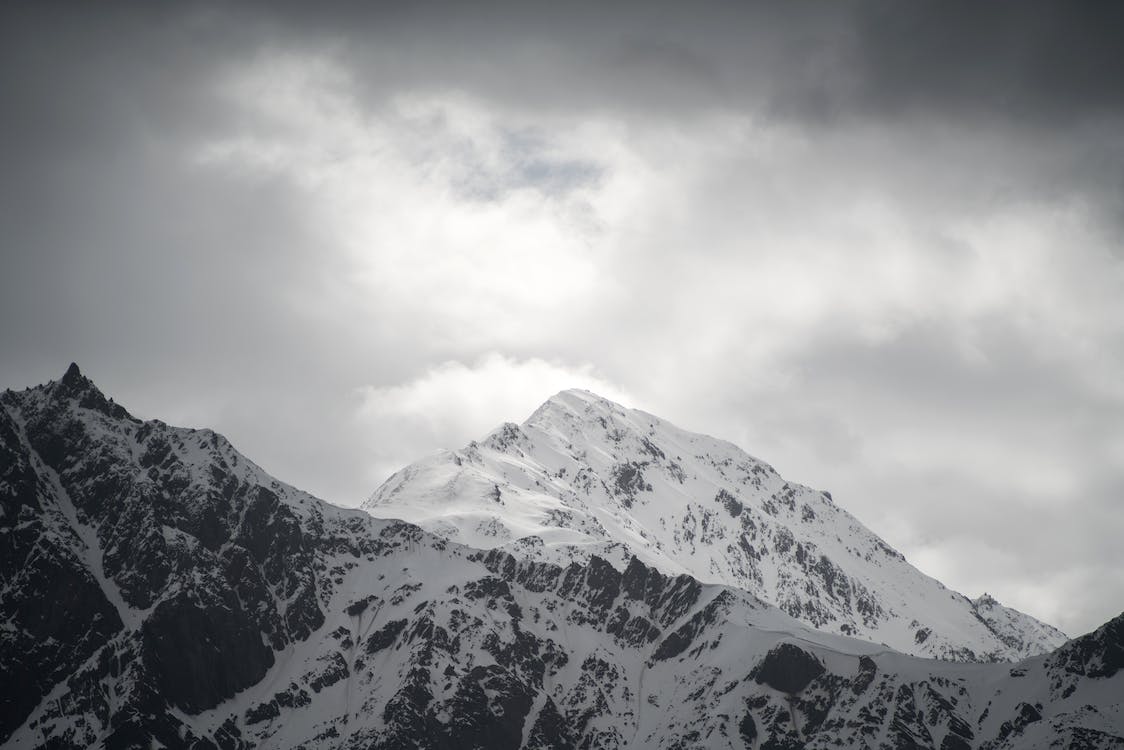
[878, 245]
[1042, 63]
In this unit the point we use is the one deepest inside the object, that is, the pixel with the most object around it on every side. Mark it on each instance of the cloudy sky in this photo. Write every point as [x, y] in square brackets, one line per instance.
[880, 246]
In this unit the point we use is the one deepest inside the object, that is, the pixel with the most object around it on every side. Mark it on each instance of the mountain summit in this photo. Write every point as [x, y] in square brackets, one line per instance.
[584, 476]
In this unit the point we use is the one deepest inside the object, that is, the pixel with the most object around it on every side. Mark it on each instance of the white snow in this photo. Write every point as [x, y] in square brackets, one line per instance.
[554, 478]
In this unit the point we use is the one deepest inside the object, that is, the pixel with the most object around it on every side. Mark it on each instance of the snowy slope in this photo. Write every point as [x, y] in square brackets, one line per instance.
[585, 476]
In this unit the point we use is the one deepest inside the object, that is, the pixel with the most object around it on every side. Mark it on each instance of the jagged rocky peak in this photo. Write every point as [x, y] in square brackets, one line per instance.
[73, 376]
[155, 546]
[76, 387]
[585, 476]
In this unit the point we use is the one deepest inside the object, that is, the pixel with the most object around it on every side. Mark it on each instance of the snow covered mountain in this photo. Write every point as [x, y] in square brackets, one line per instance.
[161, 590]
[585, 476]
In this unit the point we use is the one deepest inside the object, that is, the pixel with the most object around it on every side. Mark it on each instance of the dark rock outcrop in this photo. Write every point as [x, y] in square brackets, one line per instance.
[788, 668]
[1098, 654]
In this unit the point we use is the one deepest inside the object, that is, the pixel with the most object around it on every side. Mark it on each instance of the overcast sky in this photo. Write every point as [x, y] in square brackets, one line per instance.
[880, 246]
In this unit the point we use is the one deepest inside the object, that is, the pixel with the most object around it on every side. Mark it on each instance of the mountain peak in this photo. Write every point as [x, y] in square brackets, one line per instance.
[578, 397]
[575, 403]
[74, 386]
[584, 475]
[73, 375]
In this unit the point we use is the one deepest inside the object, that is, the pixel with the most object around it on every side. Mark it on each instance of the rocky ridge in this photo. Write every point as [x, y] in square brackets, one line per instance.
[162, 590]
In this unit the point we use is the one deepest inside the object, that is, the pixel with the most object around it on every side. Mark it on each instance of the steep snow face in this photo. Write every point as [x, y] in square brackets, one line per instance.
[585, 476]
[159, 590]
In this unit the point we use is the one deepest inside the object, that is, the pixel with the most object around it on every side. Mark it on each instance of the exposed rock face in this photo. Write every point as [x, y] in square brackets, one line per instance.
[159, 551]
[584, 476]
[161, 590]
[1098, 654]
[788, 668]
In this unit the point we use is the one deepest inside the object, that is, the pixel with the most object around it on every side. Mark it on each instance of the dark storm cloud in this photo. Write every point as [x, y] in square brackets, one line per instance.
[1028, 63]
[110, 238]
[1038, 63]
[1032, 63]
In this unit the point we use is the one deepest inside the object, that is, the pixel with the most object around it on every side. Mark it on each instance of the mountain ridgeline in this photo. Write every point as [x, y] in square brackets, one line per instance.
[161, 590]
[585, 476]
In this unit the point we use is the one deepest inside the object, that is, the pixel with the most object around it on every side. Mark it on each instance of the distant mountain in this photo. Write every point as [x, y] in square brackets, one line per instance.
[160, 590]
[585, 476]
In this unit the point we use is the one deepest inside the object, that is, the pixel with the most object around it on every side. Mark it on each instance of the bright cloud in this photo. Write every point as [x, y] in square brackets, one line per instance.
[453, 403]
